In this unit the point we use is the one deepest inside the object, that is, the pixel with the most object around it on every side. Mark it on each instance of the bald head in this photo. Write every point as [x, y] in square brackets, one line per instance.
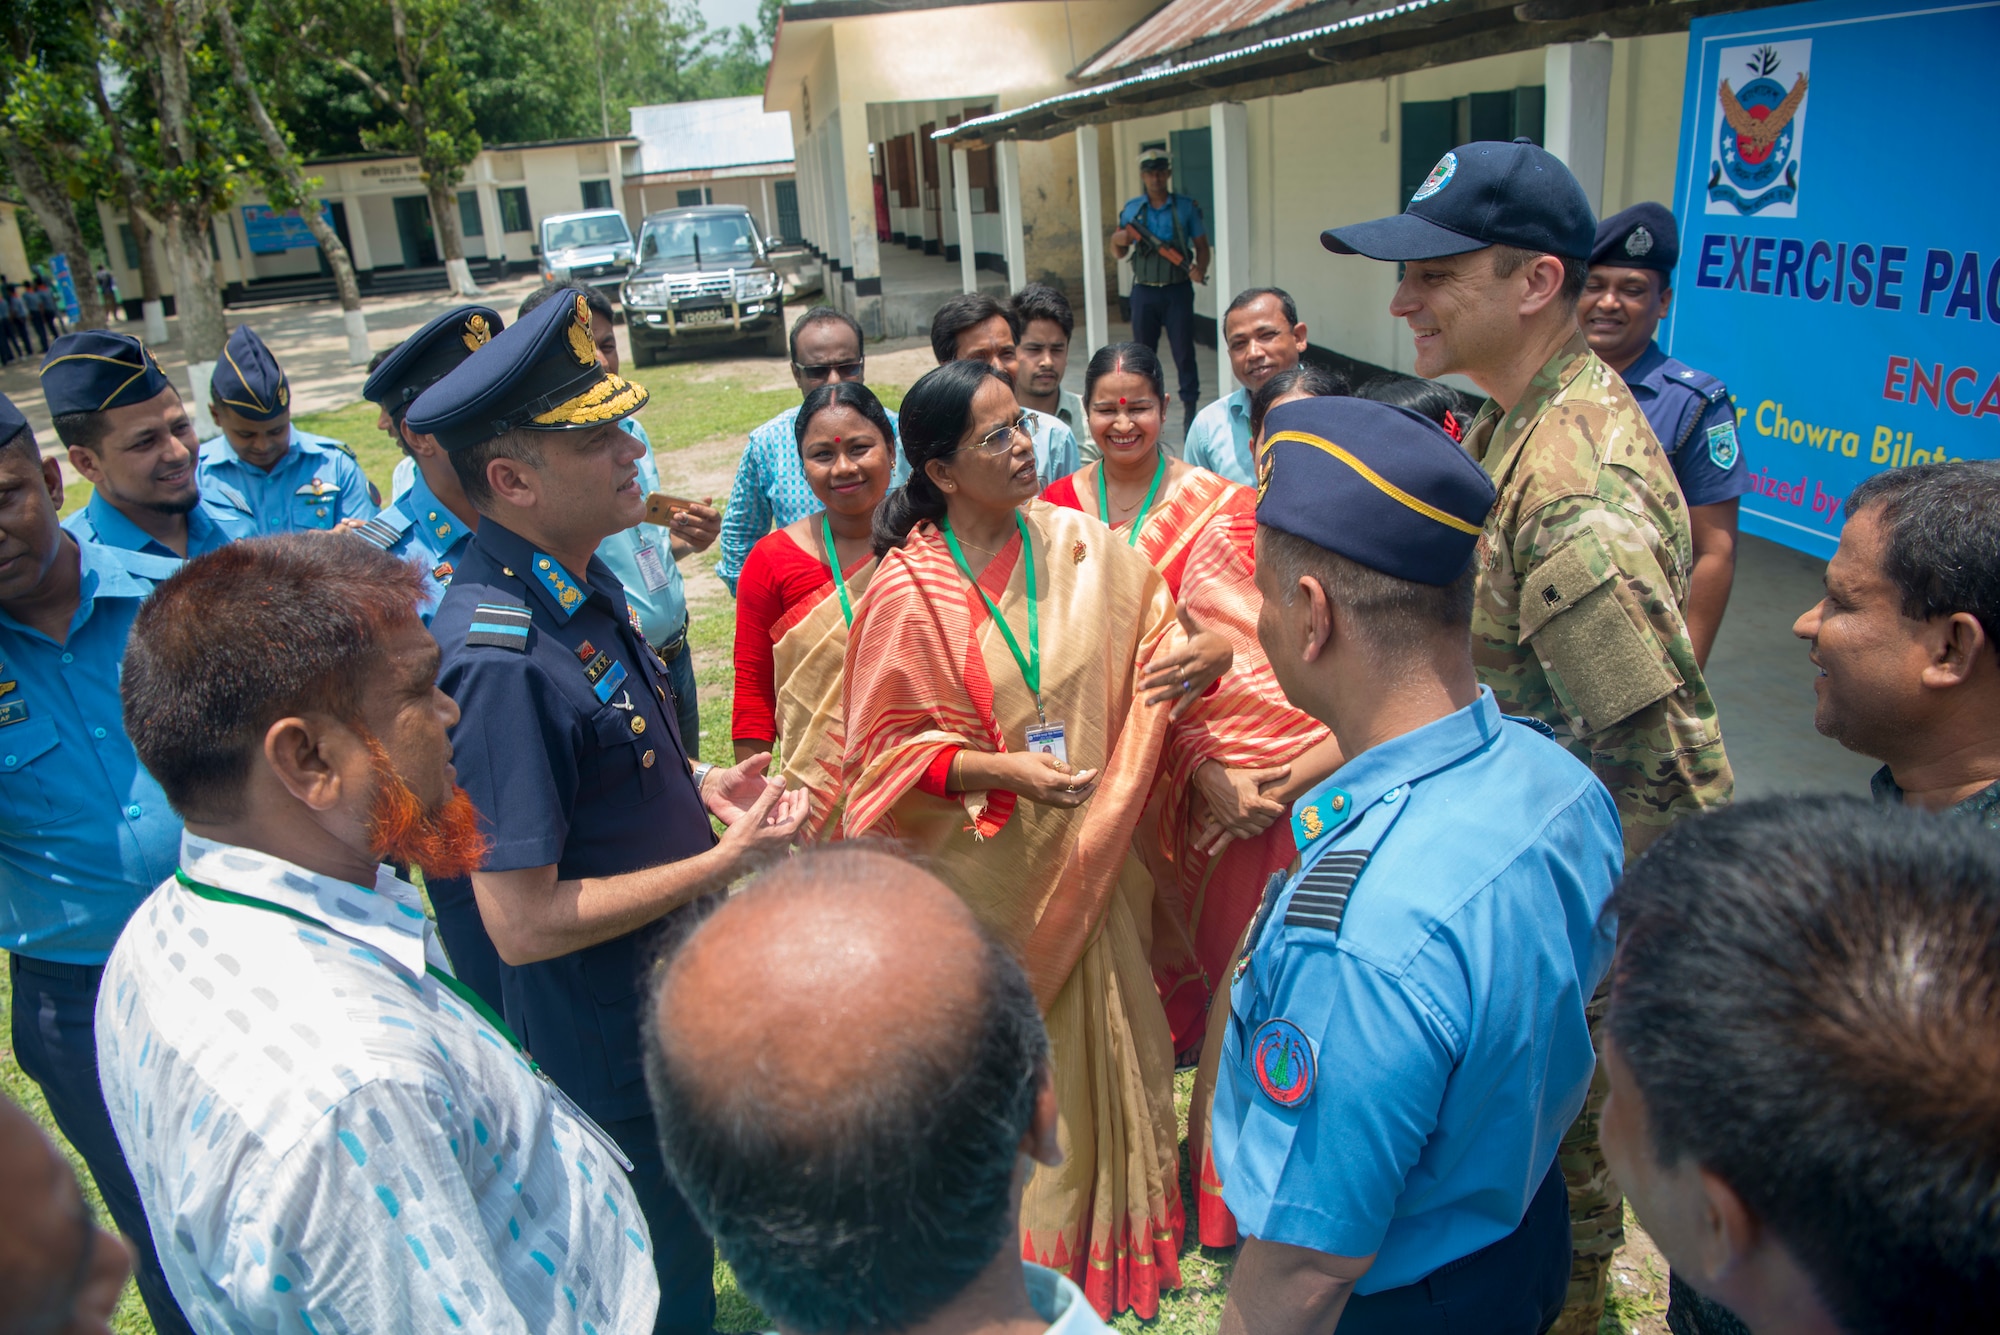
[59, 1272]
[844, 1067]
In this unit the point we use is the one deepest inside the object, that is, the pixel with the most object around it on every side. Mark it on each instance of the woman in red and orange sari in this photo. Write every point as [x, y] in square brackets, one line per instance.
[1222, 819]
[796, 597]
[998, 723]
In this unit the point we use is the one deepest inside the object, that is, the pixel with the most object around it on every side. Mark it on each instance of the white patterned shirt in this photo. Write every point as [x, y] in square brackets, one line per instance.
[327, 1139]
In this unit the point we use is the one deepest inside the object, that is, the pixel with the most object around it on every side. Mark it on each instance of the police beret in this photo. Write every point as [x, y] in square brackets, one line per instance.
[1479, 195]
[429, 355]
[541, 373]
[1376, 483]
[95, 369]
[1642, 237]
[12, 423]
[248, 380]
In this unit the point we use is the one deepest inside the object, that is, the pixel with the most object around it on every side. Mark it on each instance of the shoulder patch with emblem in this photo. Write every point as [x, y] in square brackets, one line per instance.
[1320, 901]
[1281, 1057]
[1722, 447]
[500, 626]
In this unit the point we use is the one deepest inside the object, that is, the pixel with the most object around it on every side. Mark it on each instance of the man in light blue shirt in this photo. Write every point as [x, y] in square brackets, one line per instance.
[84, 829]
[1263, 335]
[1406, 1041]
[277, 477]
[770, 490]
[975, 327]
[131, 438]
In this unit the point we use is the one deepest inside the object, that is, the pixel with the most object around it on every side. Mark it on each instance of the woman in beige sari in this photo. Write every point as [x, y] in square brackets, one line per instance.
[796, 596]
[997, 722]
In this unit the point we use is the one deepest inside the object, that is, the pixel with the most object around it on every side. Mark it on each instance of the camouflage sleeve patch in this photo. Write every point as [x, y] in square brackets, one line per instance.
[1604, 663]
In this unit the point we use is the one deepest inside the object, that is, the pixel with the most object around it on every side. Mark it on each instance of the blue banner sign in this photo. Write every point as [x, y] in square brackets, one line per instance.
[269, 232]
[1839, 266]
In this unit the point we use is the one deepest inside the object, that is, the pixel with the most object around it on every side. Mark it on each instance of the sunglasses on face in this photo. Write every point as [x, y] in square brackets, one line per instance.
[818, 374]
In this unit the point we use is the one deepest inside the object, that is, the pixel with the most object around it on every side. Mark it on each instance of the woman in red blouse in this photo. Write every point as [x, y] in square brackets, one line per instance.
[796, 596]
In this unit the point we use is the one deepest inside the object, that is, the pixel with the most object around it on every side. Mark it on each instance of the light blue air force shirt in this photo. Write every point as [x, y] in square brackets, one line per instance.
[314, 486]
[771, 491]
[1219, 439]
[85, 831]
[643, 559]
[1406, 1043]
[416, 526]
[209, 527]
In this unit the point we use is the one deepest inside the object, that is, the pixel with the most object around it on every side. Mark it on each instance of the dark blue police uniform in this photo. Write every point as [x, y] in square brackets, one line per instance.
[568, 745]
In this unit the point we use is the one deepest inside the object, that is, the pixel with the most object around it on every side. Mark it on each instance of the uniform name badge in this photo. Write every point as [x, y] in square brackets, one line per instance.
[651, 568]
[1050, 740]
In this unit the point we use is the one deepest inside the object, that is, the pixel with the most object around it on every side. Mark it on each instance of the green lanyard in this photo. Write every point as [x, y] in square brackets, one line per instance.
[444, 980]
[1138, 520]
[833, 561]
[1030, 663]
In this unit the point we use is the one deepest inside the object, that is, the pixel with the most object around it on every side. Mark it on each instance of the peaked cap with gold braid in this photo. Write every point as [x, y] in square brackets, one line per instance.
[94, 369]
[1377, 484]
[540, 374]
[429, 355]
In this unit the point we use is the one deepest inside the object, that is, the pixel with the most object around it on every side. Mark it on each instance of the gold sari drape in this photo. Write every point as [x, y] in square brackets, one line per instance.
[808, 656]
[926, 669]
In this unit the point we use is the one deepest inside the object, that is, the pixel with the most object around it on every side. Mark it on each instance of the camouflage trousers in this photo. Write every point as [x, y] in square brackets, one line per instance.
[1596, 1203]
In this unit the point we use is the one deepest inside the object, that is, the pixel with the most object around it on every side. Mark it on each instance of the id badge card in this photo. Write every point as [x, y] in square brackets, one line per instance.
[1049, 740]
[651, 568]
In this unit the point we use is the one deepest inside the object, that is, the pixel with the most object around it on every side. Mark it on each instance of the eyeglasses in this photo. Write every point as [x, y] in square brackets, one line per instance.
[816, 374]
[1001, 438]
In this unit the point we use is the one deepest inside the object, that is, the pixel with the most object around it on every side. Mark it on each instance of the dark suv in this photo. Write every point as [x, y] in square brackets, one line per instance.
[704, 276]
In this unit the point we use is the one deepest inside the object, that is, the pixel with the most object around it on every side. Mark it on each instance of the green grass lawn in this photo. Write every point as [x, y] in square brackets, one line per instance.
[687, 412]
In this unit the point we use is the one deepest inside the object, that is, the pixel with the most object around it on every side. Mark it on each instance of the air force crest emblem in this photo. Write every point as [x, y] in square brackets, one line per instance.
[1759, 129]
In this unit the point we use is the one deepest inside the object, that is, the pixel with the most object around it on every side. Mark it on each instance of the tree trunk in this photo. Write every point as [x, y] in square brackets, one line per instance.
[286, 164]
[451, 237]
[189, 234]
[57, 215]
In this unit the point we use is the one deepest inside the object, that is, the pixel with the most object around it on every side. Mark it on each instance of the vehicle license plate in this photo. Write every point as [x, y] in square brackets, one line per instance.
[709, 316]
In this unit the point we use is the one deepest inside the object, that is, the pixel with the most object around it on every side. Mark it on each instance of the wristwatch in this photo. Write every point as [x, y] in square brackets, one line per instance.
[700, 773]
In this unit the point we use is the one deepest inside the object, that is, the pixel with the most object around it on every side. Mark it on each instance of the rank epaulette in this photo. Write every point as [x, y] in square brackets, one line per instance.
[1321, 897]
[500, 625]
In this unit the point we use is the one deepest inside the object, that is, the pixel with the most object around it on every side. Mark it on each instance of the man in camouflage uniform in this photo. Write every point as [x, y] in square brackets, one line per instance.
[1586, 556]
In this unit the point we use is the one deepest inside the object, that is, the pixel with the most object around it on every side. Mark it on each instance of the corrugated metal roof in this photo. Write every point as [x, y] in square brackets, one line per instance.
[720, 132]
[1181, 23]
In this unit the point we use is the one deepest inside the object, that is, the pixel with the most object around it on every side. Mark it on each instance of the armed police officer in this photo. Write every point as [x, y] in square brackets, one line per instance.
[568, 744]
[1171, 239]
[1407, 1038]
[1579, 618]
[431, 522]
[1625, 296]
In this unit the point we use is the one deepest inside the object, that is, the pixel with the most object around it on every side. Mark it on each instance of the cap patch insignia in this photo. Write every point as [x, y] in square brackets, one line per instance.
[1639, 243]
[1722, 447]
[284, 393]
[1439, 178]
[1282, 1058]
[1265, 467]
[477, 333]
[580, 345]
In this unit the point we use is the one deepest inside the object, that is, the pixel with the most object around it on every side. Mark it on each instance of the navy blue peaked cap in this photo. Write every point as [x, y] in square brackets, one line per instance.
[12, 423]
[429, 355]
[1642, 237]
[540, 374]
[1378, 484]
[95, 369]
[1481, 194]
[248, 380]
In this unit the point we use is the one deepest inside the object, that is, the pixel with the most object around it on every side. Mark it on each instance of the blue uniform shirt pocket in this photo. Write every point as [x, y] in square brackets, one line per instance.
[629, 754]
[316, 505]
[30, 794]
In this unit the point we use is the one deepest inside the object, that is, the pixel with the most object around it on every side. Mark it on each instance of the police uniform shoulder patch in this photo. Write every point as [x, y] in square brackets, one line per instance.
[1722, 447]
[1281, 1057]
[1320, 899]
[500, 626]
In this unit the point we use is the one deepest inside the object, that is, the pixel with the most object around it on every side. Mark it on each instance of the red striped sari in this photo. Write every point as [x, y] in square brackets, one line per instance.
[927, 670]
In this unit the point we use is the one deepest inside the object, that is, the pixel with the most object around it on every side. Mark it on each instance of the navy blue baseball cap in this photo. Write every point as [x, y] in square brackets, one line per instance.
[1642, 237]
[248, 380]
[12, 423]
[540, 374]
[1380, 485]
[1479, 195]
[94, 369]
[429, 355]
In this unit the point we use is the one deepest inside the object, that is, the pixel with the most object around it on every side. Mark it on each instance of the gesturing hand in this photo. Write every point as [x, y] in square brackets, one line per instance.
[730, 793]
[1181, 676]
[1043, 779]
[768, 823]
[695, 528]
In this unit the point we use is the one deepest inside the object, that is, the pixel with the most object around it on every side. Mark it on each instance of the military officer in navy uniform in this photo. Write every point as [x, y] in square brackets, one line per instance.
[1405, 1043]
[568, 745]
[432, 522]
[1627, 294]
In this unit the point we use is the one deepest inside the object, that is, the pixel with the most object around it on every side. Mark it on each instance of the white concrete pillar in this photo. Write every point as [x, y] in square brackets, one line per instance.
[227, 266]
[1578, 115]
[961, 194]
[864, 251]
[357, 234]
[1013, 233]
[489, 217]
[1096, 327]
[763, 194]
[615, 155]
[1229, 140]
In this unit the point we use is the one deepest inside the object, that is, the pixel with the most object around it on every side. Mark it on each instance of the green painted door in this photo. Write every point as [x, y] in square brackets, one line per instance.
[1194, 172]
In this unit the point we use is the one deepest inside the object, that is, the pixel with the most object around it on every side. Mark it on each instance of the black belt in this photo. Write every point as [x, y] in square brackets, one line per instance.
[674, 645]
[69, 973]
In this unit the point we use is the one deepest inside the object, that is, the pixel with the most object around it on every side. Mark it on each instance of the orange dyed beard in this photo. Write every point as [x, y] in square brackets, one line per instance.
[445, 842]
